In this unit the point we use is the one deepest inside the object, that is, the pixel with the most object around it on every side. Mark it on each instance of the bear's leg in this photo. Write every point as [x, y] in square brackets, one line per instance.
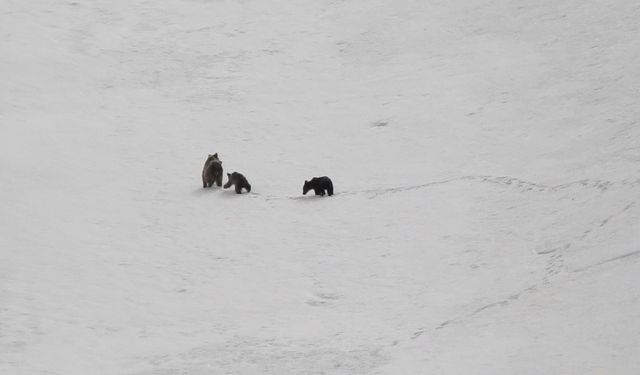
[219, 180]
[238, 189]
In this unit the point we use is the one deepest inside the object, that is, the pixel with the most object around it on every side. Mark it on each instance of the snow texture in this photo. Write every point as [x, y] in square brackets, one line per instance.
[485, 156]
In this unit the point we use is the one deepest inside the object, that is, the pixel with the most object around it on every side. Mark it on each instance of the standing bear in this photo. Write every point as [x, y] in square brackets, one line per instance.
[319, 185]
[239, 181]
[212, 171]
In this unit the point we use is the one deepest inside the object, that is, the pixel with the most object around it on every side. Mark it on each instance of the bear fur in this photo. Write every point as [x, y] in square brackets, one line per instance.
[239, 181]
[212, 171]
[319, 185]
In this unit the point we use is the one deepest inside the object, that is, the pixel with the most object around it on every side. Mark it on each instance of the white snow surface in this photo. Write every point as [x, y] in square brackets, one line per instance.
[485, 156]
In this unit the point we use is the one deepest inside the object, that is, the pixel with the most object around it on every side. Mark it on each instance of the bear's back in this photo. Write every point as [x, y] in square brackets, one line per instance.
[320, 181]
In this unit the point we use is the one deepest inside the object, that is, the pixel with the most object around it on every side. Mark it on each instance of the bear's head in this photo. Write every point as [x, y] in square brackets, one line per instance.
[306, 187]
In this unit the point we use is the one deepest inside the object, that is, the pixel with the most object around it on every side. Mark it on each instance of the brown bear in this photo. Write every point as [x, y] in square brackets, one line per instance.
[212, 171]
[319, 185]
[239, 181]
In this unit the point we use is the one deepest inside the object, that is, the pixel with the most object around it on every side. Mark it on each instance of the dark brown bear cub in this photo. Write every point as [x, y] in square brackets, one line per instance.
[319, 185]
[212, 171]
[239, 181]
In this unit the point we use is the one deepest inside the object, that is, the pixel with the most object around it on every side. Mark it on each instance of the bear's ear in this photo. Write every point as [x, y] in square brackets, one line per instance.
[306, 182]
[215, 155]
[228, 174]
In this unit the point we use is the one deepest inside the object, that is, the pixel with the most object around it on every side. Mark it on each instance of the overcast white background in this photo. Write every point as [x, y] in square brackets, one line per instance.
[485, 156]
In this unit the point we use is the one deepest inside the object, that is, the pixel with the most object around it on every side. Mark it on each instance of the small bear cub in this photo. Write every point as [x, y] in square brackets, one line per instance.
[212, 171]
[319, 185]
[239, 181]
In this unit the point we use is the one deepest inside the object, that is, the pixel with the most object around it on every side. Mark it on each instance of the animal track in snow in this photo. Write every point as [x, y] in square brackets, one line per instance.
[321, 298]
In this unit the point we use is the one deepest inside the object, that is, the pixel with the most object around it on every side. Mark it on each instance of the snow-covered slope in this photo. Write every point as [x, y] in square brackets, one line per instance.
[485, 156]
